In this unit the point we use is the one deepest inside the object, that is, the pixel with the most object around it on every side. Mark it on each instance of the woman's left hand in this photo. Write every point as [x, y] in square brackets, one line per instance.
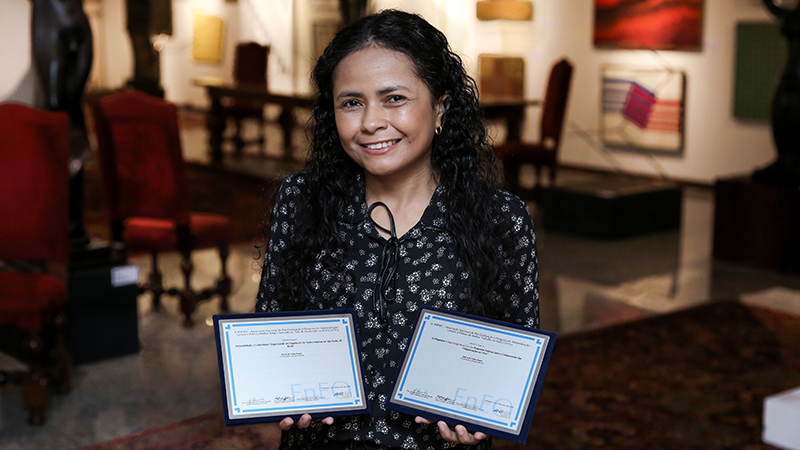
[459, 435]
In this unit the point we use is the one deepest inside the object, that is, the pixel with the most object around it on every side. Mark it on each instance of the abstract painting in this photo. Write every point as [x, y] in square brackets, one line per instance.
[642, 108]
[648, 24]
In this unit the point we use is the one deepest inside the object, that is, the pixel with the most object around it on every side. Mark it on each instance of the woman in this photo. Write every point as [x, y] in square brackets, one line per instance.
[396, 208]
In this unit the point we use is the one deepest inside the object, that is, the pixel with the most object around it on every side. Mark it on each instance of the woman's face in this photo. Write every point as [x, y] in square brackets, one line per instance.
[384, 113]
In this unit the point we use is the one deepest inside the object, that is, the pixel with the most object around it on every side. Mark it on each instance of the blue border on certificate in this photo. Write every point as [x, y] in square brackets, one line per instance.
[519, 424]
[359, 404]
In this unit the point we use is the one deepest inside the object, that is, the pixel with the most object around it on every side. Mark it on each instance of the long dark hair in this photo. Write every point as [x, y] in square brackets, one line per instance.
[461, 155]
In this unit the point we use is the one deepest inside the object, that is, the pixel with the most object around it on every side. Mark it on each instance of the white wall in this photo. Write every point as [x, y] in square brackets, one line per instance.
[17, 79]
[716, 144]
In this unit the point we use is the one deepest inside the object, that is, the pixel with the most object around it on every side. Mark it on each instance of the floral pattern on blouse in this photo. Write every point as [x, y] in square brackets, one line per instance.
[428, 271]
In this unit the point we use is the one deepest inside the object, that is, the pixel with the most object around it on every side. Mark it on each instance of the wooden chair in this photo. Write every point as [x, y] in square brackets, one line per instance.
[249, 69]
[514, 154]
[143, 172]
[34, 250]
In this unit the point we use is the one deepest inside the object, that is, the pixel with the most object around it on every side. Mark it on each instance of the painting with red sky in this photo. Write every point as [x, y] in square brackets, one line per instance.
[648, 24]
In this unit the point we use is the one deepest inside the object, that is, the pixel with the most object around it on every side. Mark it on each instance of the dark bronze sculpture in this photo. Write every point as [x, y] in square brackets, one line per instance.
[62, 53]
[785, 170]
[147, 18]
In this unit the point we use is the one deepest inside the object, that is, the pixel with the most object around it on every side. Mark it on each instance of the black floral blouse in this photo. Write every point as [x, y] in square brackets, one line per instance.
[428, 271]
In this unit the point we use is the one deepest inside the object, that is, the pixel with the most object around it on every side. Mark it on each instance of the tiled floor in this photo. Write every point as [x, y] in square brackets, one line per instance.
[584, 284]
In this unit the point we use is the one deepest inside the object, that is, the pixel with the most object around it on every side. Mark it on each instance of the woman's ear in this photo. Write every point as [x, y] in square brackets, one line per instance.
[442, 105]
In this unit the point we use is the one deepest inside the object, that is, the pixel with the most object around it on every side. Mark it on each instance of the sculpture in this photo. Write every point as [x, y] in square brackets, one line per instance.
[62, 53]
[147, 18]
[785, 114]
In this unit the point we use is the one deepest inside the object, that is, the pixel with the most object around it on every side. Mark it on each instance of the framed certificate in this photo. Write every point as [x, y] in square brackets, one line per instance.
[480, 373]
[276, 365]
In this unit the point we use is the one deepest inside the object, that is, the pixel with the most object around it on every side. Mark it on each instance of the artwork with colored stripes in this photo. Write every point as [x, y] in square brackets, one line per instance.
[642, 108]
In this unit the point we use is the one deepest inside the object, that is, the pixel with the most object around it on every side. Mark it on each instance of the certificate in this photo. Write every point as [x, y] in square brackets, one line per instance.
[480, 373]
[276, 365]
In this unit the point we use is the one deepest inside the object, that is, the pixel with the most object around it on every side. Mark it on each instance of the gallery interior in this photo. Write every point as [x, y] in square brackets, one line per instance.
[655, 143]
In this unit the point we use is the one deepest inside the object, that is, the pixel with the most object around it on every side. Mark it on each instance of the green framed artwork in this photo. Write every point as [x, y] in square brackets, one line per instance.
[760, 56]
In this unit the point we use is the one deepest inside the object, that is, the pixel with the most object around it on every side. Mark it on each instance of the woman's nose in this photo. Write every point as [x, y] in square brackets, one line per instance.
[374, 119]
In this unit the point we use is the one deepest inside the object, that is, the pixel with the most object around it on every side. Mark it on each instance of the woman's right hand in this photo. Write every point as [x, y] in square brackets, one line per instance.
[304, 422]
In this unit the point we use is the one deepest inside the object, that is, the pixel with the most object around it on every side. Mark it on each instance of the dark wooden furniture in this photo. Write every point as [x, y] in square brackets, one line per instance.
[511, 110]
[34, 229]
[514, 153]
[249, 69]
[757, 224]
[148, 203]
[612, 207]
[217, 116]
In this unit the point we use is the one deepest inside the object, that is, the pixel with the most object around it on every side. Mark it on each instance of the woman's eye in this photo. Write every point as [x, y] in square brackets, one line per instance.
[396, 98]
[350, 104]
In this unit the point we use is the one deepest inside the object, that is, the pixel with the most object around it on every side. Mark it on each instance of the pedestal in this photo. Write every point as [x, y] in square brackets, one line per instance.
[612, 208]
[102, 313]
[757, 224]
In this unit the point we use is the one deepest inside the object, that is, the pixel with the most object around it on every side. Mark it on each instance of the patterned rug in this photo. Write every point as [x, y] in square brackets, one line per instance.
[694, 379]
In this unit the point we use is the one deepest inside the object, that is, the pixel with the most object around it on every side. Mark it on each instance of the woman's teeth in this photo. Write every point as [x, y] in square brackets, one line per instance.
[382, 144]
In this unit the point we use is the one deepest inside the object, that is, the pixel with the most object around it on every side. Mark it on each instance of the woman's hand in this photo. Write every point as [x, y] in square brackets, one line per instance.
[459, 435]
[304, 422]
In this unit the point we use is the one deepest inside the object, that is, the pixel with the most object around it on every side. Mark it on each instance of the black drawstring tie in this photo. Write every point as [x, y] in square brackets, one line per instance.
[386, 282]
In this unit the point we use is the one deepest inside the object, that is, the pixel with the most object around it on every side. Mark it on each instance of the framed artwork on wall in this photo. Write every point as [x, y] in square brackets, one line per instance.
[760, 56]
[207, 38]
[648, 24]
[642, 108]
[501, 76]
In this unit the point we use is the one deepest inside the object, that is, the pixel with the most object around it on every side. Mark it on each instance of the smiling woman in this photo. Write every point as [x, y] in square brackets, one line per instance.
[386, 119]
[397, 208]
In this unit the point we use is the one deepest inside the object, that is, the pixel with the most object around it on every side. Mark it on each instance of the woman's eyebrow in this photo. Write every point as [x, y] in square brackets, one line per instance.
[384, 91]
[393, 88]
[349, 94]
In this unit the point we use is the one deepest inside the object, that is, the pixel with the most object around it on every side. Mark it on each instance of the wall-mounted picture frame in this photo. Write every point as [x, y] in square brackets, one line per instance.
[649, 24]
[207, 37]
[642, 108]
[501, 77]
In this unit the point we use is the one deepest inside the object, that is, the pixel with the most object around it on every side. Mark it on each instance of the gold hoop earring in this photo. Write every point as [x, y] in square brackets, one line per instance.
[438, 130]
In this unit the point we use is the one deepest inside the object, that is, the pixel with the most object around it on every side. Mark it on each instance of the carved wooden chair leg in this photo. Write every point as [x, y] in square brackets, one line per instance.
[35, 388]
[512, 177]
[188, 296]
[61, 361]
[156, 285]
[262, 136]
[224, 283]
[238, 142]
[538, 184]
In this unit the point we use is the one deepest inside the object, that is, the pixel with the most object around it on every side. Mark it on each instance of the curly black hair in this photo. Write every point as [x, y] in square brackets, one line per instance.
[461, 156]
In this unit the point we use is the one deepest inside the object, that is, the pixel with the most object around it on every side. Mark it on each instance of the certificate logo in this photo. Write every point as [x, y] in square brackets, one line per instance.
[502, 408]
[341, 390]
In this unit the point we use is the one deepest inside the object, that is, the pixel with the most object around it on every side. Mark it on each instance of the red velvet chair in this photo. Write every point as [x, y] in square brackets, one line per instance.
[34, 230]
[143, 171]
[545, 152]
[249, 69]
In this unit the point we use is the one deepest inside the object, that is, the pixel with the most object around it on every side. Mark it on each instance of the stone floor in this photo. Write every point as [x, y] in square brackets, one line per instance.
[584, 284]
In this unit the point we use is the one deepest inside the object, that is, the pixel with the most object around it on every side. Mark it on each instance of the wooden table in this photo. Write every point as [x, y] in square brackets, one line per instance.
[509, 109]
[217, 118]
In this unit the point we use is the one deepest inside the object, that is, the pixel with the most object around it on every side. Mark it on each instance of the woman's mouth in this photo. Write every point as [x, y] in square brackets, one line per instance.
[379, 147]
